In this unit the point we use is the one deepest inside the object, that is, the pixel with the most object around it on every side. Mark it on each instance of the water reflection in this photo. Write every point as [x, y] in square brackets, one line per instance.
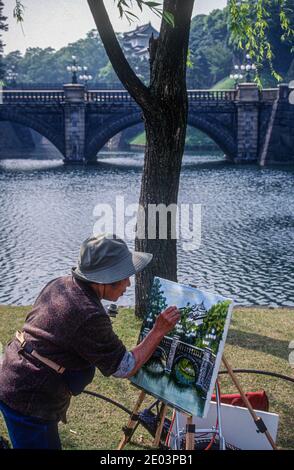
[247, 223]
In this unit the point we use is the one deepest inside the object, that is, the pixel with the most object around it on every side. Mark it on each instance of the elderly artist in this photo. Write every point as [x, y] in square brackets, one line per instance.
[65, 336]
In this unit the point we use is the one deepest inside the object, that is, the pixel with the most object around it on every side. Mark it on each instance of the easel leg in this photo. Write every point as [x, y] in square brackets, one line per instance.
[190, 433]
[132, 422]
[258, 421]
[162, 415]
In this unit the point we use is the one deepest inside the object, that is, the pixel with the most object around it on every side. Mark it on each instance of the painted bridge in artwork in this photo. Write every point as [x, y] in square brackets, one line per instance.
[171, 351]
[248, 124]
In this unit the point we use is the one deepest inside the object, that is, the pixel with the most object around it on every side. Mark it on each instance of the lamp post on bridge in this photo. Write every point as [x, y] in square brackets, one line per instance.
[243, 71]
[237, 76]
[85, 77]
[73, 69]
[248, 67]
[11, 75]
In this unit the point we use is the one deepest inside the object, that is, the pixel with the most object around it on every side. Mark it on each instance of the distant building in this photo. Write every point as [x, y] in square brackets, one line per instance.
[198, 313]
[136, 43]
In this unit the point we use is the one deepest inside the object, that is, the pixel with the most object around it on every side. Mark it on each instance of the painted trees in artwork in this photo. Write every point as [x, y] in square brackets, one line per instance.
[206, 334]
[213, 326]
[186, 330]
[157, 303]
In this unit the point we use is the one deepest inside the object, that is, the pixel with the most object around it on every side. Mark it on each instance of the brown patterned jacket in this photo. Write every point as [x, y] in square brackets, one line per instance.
[68, 325]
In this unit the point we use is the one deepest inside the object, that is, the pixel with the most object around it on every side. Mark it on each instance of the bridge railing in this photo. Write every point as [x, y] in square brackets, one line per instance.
[104, 96]
[211, 95]
[121, 96]
[109, 96]
[30, 96]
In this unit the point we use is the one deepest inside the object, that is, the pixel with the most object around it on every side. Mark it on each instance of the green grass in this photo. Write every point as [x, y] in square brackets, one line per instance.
[258, 338]
[140, 139]
[226, 83]
[194, 138]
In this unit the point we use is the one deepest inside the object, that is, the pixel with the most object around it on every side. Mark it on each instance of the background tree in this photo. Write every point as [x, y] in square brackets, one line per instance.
[3, 27]
[188, 327]
[211, 56]
[250, 27]
[39, 65]
[282, 50]
[214, 322]
[164, 105]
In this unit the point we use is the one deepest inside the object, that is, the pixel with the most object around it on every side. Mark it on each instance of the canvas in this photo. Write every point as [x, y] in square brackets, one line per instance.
[183, 369]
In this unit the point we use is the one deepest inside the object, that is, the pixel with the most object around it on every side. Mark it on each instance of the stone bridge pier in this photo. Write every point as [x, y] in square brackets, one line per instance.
[74, 123]
[247, 102]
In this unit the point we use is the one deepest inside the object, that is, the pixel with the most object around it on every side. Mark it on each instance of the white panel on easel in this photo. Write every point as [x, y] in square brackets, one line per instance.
[238, 427]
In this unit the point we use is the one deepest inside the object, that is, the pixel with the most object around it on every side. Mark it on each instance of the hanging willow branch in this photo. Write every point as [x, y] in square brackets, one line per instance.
[249, 26]
[124, 7]
[18, 11]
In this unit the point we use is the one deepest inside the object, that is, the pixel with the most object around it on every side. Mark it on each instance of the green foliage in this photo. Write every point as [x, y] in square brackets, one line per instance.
[214, 323]
[169, 18]
[39, 65]
[250, 23]
[214, 48]
[157, 303]
[125, 7]
[194, 137]
[211, 57]
[216, 318]
[18, 11]
[188, 327]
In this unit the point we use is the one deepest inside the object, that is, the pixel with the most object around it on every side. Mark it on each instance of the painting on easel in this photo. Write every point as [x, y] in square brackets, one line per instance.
[183, 369]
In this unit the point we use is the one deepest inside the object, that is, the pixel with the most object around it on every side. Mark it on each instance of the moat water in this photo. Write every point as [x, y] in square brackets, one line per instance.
[247, 232]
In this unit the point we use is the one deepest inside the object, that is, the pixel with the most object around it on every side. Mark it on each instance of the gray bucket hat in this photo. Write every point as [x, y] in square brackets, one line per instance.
[105, 258]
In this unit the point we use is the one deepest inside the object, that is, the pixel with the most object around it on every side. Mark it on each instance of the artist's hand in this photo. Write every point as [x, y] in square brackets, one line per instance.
[164, 323]
[167, 320]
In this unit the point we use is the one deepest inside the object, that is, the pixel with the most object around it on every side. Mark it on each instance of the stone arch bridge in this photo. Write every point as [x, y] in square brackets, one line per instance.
[171, 351]
[247, 124]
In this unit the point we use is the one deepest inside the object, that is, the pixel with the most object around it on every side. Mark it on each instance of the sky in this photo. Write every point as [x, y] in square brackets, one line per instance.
[56, 23]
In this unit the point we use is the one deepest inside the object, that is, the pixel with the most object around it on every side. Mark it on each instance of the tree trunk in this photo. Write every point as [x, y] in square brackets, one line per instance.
[165, 107]
[160, 184]
[165, 126]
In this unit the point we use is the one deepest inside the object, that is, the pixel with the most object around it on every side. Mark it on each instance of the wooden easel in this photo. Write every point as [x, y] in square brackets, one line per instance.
[190, 427]
[129, 429]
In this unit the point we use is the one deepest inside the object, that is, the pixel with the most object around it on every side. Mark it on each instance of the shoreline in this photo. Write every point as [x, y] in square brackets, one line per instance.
[236, 306]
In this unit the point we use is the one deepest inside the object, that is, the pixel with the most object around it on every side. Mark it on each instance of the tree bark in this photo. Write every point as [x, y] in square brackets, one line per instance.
[165, 143]
[165, 107]
[124, 71]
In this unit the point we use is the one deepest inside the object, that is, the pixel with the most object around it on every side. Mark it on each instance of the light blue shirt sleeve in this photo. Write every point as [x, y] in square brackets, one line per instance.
[126, 365]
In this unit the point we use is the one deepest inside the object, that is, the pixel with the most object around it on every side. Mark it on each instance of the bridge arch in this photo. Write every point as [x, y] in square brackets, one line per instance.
[36, 124]
[111, 127]
[161, 353]
[208, 124]
[216, 131]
